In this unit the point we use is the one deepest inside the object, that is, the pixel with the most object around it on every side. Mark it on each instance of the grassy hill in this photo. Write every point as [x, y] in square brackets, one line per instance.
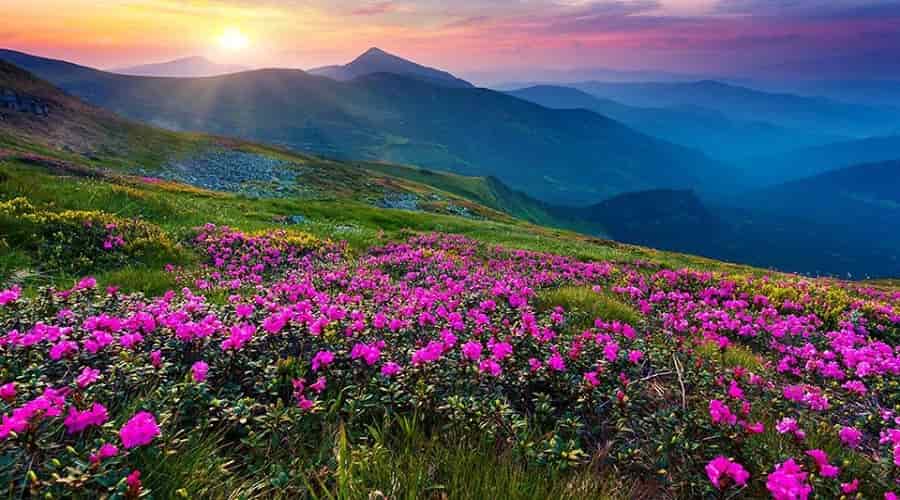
[555, 155]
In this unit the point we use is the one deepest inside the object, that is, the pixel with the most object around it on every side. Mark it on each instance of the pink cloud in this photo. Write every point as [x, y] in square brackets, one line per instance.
[375, 9]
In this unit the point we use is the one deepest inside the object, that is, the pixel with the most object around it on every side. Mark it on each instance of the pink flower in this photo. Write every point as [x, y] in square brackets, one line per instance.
[86, 283]
[141, 430]
[156, 358]
[319, 385]
[370, 353]
[789, 425]
[611, 351]
[240, 335]
[8, 392]
[134, 483]
[720, 413]
[850, 487]
[735, 391]
[850, 436]
[592, 379]
[87, 377]
[722, 466]
[821, 459]
[635, 356]
[322, 359]
[501, 350]
[106, 451]
[490, 367]
[472, 350]
[199, 371]
[556, 362]
[305, 404]
[10, 295]
[243, 310]
[788, 482]
[78, 421]
[390, 369]
[428, 354]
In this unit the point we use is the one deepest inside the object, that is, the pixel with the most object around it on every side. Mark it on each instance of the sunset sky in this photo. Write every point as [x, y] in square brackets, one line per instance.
[462, 35]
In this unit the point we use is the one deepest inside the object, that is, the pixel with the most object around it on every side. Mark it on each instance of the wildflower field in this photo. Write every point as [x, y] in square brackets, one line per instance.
[287, 365]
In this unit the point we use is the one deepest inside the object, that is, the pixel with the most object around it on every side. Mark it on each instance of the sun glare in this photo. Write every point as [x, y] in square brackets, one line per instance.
[233, 39]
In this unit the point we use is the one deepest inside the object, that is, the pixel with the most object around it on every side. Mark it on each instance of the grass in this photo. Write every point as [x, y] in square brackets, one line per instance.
[733, 356]
[177, 209]
[583, 305]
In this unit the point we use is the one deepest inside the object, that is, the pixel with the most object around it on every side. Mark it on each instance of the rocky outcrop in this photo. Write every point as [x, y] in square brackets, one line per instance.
[11, 100]
[250, 174]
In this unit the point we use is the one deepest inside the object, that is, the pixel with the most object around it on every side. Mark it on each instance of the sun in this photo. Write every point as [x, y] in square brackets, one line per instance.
[233, 39]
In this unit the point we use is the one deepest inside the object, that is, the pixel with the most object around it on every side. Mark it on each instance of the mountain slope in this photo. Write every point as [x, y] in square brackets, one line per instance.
[816, 160]
[785, 110]
[709, 131]
[186, 67]
[564, 156]
[376, 60]
[38, 113]
[41, 125]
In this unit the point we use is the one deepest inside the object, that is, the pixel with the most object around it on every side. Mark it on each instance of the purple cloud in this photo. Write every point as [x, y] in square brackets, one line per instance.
[375, 9]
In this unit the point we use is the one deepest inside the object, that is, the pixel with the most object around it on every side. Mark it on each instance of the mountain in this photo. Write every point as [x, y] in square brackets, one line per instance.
[805, 162]
[376, 60]
[530, 77]
[55, 132]
[42, 126]
[34, 111]
[561, 156]
[822, 115]
[859, 196]
[838, 222]
[710, 131]
[186, 67]
[672, 219]
[881, 92]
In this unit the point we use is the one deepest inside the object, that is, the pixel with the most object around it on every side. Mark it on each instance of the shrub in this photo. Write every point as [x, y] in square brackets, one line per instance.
[76, 241]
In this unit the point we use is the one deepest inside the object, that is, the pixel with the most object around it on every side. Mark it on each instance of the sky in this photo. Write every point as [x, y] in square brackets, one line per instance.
[495, 37]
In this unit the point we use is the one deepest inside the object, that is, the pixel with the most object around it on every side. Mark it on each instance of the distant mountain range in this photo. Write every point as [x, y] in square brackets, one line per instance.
[376, 60]
[812, 161]
[822, 115]
[562, 156]
[186, 67]
[711, 131]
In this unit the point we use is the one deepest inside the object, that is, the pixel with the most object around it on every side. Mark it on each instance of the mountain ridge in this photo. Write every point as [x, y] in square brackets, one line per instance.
[183, 67]
[559, 156]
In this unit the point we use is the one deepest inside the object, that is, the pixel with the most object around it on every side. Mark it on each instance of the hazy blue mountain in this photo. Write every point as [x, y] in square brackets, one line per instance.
[849, 216]
[671, 219]
[564, 156]
[865, 195]
[816, 160]
[376, 60]
[880, 92]
[710, 131]
[186, 67]
[529, 77]
[818, 114]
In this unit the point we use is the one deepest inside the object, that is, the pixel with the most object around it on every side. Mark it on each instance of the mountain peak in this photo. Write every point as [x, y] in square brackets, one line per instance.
[375, 51]
[375, 60]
